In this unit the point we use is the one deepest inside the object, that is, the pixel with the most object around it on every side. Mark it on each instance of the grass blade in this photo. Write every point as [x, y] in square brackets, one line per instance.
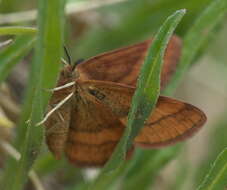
[17, 30]
[217, 176]
[218, 133]
[12, 54]
[196, 37]
[148, 88]
[42, 76]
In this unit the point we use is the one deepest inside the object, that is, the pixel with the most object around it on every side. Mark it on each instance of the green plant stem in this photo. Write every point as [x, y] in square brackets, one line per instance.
[11, 55]
[43, 75]
[17, 30]
[147, 91]
[217, 176]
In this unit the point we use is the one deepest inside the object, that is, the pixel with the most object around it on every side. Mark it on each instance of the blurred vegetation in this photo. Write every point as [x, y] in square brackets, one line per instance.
[88, 32]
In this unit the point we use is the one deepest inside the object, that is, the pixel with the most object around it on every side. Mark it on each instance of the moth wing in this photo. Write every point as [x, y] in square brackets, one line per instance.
[94, 131]
[123, 65]
[171, 121]
[57, 124]
[117, 97]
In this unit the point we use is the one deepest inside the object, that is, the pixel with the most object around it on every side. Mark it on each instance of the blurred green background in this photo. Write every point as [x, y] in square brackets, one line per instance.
[92, 28]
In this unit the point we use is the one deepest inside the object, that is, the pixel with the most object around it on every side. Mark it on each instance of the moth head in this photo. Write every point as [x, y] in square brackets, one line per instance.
[66, 75]
[68, 72]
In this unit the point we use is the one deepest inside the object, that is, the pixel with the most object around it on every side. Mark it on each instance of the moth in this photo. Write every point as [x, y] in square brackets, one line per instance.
[87, 113]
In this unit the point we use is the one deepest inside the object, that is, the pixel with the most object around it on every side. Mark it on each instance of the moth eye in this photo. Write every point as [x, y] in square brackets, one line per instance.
[96, 93]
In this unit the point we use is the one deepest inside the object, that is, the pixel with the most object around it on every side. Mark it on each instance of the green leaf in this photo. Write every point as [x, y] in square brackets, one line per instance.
[217, 176]
[12, 54]
[43, 75]
[17, 30]
[196, 37]
[147, 91]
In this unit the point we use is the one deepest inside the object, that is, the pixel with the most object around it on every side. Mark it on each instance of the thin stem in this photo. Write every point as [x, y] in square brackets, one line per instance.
[16, 155]
[15, 30]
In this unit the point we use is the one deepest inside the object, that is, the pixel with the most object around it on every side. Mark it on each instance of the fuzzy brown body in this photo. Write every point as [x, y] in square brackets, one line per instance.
[89, 125]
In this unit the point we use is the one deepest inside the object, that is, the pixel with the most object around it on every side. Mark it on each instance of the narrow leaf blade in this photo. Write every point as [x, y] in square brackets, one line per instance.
[147, 91]
[217, 176]
[12, 54]
[47, 58]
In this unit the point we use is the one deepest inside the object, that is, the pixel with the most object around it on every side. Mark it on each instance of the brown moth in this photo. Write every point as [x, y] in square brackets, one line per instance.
[88, 110]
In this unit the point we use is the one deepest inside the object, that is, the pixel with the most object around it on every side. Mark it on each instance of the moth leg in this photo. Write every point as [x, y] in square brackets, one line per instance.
[61, 87]
[54, 127]
[55, 108]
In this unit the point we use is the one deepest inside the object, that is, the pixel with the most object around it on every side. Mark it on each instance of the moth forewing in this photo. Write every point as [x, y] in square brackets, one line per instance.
[172, 120]
[57, 126]
[57, 123]
[123, 65]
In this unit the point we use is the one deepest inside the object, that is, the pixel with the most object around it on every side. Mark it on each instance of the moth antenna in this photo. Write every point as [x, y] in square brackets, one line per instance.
[68, 55]
[61, 87]
[54, 109]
